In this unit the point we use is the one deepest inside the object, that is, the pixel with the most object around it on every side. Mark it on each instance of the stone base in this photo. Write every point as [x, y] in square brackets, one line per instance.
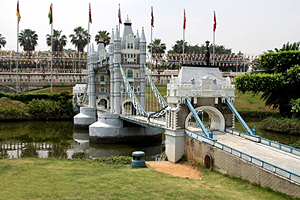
[86, 117]
[174, 144]
[109, 129]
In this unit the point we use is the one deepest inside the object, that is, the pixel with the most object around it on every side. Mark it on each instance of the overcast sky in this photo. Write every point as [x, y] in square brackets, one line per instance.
[249, 26]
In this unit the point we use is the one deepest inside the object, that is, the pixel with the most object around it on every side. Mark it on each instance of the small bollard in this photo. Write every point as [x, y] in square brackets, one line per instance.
[254, 130]
[211, 134]
[137, 159]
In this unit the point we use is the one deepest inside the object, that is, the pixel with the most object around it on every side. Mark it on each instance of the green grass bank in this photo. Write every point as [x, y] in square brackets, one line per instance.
[91, 179]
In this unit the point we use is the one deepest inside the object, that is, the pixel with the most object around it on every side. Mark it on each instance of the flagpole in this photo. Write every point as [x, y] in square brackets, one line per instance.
[183, 36]
[88, 46]
[214, 48]
[17, 64]
[120, 21]
[51, 47]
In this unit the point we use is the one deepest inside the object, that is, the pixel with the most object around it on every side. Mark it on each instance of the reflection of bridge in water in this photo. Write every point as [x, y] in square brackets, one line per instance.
[132, 114]
[79, 147]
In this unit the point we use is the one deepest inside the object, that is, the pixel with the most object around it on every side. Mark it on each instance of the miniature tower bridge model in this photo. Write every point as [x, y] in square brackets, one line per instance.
[198, 115]
[116, 84]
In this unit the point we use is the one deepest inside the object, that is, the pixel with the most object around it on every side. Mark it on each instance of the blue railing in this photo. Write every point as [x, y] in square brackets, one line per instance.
[246, 157]
[235, 112]
[265, 141]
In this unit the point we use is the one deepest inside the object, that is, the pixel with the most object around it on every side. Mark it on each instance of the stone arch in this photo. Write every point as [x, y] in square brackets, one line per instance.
[103, 103]
[217, 118]
[132, 110]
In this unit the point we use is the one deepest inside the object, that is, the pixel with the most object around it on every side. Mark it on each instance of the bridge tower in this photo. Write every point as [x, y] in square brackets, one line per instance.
[129, 51]
[206, 89]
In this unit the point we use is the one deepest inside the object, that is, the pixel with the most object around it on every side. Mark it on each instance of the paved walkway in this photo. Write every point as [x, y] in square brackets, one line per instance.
[266, 153]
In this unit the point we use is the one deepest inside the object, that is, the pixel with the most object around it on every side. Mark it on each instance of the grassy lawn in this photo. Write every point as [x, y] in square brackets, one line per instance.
[54, 90]
[88, 179]
[249, 101]
[5, 102]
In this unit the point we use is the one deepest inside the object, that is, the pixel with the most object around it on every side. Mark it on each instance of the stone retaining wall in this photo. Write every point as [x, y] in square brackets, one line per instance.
[233, 166]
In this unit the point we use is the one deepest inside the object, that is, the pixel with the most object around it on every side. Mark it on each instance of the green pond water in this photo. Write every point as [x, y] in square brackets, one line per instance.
[59, 139]
[56, 139]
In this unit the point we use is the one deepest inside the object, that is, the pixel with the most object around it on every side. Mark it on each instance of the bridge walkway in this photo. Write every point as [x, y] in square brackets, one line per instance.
[266, 153]
[263, 152]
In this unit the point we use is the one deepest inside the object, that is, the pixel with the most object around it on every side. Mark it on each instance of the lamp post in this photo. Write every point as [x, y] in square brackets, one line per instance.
[207, 54]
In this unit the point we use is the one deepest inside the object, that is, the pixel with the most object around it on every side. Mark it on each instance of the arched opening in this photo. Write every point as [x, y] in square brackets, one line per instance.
[128, 108]
[211, 117]
[102, 103]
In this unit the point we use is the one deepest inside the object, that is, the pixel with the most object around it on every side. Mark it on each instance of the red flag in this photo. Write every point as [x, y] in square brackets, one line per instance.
[215, 22]
[184, 20]
[18, 12]
[152, 17]
[90, 13]
[119, 15]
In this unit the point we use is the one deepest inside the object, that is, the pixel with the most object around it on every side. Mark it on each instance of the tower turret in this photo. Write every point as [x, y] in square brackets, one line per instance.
[142, 47]
[116, 71]
[111, 70]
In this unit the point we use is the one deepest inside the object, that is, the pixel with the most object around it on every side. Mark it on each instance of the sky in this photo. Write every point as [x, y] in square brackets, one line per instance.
[249, 26]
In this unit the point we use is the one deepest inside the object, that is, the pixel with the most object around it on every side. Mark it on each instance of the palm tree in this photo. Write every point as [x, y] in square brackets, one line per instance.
[80, 38]
[59, 41]
[157, 46]
[102, 36]
[177, 48]
[2, 41]
[28, 39]
[287, 47]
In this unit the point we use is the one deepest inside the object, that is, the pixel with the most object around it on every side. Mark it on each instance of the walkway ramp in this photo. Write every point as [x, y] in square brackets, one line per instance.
[266, 153]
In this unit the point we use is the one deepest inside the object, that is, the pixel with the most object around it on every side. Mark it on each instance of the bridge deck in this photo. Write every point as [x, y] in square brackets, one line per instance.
[269, 154]
[266, 153]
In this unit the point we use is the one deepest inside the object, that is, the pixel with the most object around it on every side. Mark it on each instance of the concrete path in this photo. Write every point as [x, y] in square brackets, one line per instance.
[266, 153]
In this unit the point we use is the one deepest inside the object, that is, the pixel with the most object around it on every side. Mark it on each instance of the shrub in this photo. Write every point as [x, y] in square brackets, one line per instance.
[256, 114]
[51, 110]
[283, 125]
[124, 160]
[12, 113]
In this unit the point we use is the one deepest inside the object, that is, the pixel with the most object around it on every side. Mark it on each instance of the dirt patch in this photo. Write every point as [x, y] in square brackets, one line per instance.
[184, 170]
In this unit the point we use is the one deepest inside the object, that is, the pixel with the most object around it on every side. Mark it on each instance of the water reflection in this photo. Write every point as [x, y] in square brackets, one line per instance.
[60, 140]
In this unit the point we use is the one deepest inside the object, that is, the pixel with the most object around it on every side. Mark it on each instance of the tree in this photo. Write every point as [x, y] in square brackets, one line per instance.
[80, 38]
[280, 90]
[2, 41]
[59, 41]
[177, 48]
[288, 47]
[102, 36]
[157, 46]
[28, 39]
[196, 49]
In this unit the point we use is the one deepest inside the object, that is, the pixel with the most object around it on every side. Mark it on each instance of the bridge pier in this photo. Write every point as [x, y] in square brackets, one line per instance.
[174, 144]
[86, 117]
[109, 128]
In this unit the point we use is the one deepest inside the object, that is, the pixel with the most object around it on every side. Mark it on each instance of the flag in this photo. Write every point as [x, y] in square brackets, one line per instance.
[50, 15]
[184, 20]
[152, 17]
[119, 15]
[215, 22]
[90, 14]
[18, 12]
